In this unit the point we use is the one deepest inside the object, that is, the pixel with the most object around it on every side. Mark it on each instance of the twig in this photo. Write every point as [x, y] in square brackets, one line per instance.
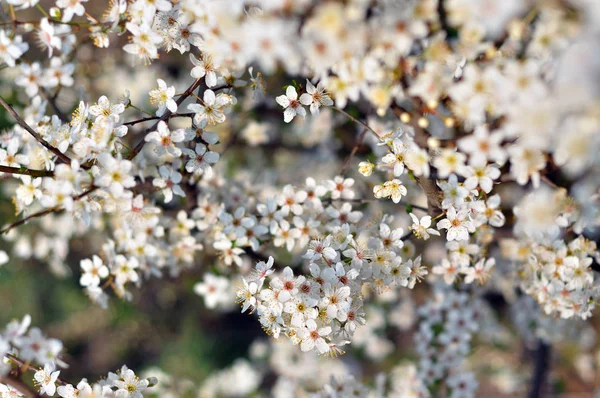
[52, 101]
[64, 158]
[27, 367]
[24, 171]
[146, 119]
[349, 116]
[361, 138]
[41, 213]
[19, 385]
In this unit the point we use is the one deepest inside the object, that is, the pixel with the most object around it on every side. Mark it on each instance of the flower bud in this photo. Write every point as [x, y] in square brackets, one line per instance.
[366, 168]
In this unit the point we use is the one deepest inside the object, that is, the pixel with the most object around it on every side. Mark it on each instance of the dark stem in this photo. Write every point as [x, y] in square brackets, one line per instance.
[64, 158]
[543, 355]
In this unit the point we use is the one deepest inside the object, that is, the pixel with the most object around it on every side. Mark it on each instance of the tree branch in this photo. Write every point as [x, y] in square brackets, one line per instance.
[64, 158]
[24, 171]
[541, 369]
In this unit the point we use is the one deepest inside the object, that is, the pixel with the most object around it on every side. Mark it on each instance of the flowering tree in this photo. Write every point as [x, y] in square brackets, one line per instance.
[313, 161]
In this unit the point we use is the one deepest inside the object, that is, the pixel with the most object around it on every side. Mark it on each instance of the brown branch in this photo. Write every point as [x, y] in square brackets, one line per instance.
[146, 119]
[52, 101]
[26, 366]
[64, 158]
[349, 116]
[361, 138]
[19, 385]
[543, 356]
[56, 209]
[24, 171]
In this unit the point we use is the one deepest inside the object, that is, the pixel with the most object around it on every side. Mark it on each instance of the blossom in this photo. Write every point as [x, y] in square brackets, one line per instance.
[315, 97]
[104, 109]
[113, 173]
[211, 109]
[214, 289]
[93, 271]
[143, 42]
[166, 140]
[47, 37]
[204, 67]
[397, 157]
[71, 8]
[46, 378]
[457, 224]
[129, 385]
[421, 228]
[11, 49]
[200, 158]
[168, 182]
[313, 337]
[163, 97]
[291, 105]
[480, 272]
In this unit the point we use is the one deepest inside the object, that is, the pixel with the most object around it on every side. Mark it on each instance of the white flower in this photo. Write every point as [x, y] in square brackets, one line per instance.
[366, 168]
[104, 109]
[313, 337]
[200, 159]
[168, 183]
[47, 38]
[166, 140]
[11, 49]
[480, 272]
[291, 105]
[214, 289]
[7, 391]
[458, 224]
[247, 295]
[114, 174]
[449, 161]
[144, 41]
[204, 67]
[211, 108]
[130, 386]
[315, 97]
[421, 227]
[397, 157]
[163, 97]
[93, 271]
[481, 175]
[71, 8]
[448, 269]
[124, 269]
[46, 378]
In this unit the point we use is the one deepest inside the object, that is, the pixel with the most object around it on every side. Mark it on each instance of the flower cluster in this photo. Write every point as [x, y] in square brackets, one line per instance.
[24, 346]
[448, 322]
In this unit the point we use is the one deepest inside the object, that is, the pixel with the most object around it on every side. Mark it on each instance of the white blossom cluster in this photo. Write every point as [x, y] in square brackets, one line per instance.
[321, 311]
[448, 323]
[481, 115]
[23, 346]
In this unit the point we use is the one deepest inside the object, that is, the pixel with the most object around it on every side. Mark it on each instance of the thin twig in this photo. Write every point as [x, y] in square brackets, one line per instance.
[146, 119]
[349, 116]
[42, 213]
[64, 158]
[359, 142]
[24, 171]
[27, 367]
